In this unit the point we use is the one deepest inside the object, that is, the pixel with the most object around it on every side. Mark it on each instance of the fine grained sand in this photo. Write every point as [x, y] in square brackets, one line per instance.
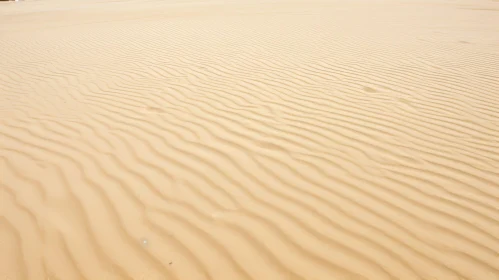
[249, 139]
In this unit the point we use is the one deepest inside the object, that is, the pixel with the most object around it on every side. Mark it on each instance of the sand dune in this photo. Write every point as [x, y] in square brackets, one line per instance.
[277, 139]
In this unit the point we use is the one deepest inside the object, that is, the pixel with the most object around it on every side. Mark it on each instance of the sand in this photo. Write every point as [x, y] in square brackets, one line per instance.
[249, 139]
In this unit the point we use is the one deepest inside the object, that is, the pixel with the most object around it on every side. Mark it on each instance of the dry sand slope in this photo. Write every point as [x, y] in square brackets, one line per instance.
[249, 139]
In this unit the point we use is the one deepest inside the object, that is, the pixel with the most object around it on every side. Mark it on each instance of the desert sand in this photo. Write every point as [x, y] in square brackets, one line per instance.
[249, 139]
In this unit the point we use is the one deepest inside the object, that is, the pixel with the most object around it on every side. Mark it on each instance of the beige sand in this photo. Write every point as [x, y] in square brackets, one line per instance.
[249, 139]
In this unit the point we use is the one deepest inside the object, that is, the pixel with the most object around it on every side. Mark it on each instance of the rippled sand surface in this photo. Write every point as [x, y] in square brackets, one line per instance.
[249, 139]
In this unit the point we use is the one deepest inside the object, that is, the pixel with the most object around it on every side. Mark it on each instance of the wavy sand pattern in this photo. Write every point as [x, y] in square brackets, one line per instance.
[225, 140]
